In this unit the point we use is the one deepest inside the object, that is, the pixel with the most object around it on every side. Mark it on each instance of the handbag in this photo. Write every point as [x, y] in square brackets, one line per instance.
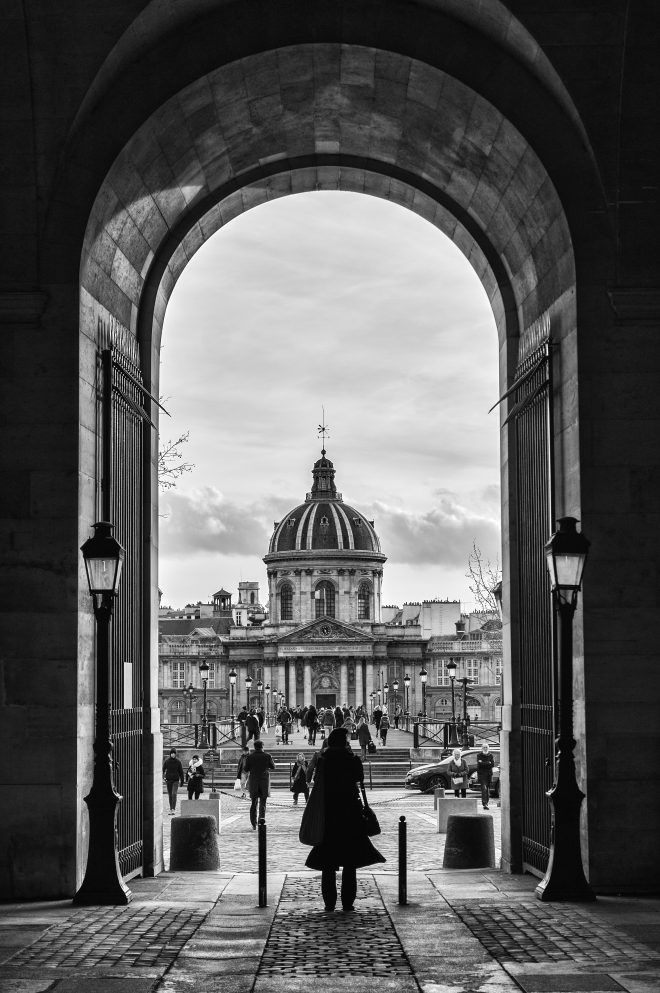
[456, 780]
[371, 747]
[312, 824]
[368, 816]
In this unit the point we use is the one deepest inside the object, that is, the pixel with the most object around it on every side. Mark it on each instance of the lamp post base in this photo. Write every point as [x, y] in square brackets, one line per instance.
[103, 884]
[564, 878]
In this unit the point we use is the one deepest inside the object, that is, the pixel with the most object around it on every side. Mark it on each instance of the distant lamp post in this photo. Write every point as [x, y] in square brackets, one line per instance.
[466, 723]
[406, 683]
[204, 674]
[189, 693]
[232, 685]
[395, 691]
[386, 690]
[267, 700]
[372, 697]
[103, 884]
[423, 675]
[260, 687]
[453, 737]
[248, 687]
[566, 554]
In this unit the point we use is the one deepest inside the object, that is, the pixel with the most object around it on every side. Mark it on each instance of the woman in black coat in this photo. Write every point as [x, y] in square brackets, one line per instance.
[345, 840]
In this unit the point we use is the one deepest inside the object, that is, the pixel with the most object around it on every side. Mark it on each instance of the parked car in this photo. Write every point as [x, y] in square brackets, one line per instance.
[474, 784]
[434, 775]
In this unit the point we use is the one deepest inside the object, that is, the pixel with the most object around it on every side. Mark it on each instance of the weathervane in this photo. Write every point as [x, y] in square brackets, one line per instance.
[323, 430]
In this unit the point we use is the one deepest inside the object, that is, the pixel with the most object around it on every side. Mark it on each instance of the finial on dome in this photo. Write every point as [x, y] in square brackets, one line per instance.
[323, 430]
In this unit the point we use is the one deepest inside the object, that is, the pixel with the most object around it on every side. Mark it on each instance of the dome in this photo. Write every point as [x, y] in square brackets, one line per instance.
[324, 522]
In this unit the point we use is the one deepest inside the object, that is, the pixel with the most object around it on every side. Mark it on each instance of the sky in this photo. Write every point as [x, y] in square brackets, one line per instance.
[348, 307]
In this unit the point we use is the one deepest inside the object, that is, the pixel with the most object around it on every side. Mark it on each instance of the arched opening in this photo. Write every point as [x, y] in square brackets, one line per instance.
[298, 118]
[286, 602]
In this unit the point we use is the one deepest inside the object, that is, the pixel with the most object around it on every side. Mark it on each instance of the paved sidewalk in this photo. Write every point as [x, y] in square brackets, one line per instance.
[461, 931]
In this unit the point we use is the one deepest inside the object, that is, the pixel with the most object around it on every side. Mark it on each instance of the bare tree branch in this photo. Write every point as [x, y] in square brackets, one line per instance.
[171, 464]
[484, 577]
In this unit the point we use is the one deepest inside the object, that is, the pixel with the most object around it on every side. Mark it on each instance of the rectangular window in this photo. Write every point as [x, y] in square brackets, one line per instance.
[211, 682]
[179, 675]
[472, 669]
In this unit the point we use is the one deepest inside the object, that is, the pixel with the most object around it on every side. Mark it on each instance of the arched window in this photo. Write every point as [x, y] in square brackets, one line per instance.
[286, 603]
[324, 598]
[364, 602]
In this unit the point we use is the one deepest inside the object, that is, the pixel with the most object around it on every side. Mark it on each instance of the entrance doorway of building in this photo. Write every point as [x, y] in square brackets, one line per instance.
[326, 700]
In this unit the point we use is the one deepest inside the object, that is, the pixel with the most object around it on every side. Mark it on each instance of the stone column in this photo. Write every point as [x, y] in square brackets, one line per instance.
[359, 691]
[343, 684]
[291, 688]
[370, 684]
[307, 683]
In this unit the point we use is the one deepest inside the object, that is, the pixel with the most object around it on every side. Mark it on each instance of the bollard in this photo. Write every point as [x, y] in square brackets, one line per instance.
[403, 861]
[263, 895]
[415, 735]
[371, 782]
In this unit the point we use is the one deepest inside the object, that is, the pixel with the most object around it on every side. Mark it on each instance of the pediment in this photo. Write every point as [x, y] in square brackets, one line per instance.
[323, 630]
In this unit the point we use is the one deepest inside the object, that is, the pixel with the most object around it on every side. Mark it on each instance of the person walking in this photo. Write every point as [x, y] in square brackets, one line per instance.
[258, 764]
[384, 728]
[299, 778]
[458, 773]
[378, 715]
[339, 716]
[173, 775]
[364, 736]
[241, 772]
[252, 727]
[345, 842]
[485, 763]
[284, 719]
[312, 721]
[195, 777]
[327, 721]
[397, 717]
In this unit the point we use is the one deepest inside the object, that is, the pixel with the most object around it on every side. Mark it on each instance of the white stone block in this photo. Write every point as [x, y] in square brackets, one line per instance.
[208, 805]
[453, 805]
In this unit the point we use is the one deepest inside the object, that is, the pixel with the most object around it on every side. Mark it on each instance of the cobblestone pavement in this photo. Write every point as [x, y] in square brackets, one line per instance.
[238, 842]
[469, 931]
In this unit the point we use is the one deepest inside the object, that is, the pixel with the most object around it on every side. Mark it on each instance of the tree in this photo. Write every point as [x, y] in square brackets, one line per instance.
[484, 577]
[171, 464]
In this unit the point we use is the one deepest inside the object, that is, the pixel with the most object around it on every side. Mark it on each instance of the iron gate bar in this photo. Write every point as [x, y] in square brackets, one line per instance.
[121, 473]
[531, 414]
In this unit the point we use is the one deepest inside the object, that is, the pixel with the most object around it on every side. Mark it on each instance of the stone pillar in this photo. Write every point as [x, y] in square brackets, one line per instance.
[291, 688]
[370, 684]
[307, 683]
[359, 691]
[343, 684]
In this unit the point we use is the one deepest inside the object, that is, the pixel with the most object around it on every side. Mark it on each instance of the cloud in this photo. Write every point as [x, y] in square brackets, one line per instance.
[442, 536]
[203, 521]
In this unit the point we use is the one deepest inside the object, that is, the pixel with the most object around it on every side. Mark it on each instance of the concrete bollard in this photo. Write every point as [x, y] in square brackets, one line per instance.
[194, 844]
[202, 808]
[470, 842]
[438, 794]
[445, 806]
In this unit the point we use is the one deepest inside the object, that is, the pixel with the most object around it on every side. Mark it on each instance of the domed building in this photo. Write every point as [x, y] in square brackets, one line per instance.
[324, 559]
[324, 640]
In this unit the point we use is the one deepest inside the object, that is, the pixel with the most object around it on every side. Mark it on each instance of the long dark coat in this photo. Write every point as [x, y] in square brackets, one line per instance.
[345, 840]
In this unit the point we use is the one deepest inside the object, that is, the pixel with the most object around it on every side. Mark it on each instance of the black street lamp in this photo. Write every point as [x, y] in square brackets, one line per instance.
[386, 690]
[395, 691]
[406, 683]
[103, 884]
[248, 687]
[260, 687]
[372, 697]
[466, 736]
[566, 554]
[423, 675]
[189, 693]
[453, 737]
[267, 702]
[232, 684]
[204, 673]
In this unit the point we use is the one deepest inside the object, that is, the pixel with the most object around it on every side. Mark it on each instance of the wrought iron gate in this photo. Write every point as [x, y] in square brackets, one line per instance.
[530, 410]
[122, 414]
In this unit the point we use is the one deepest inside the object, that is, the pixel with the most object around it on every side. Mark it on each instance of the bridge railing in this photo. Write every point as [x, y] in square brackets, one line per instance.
[439, 733]
[223, 731]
